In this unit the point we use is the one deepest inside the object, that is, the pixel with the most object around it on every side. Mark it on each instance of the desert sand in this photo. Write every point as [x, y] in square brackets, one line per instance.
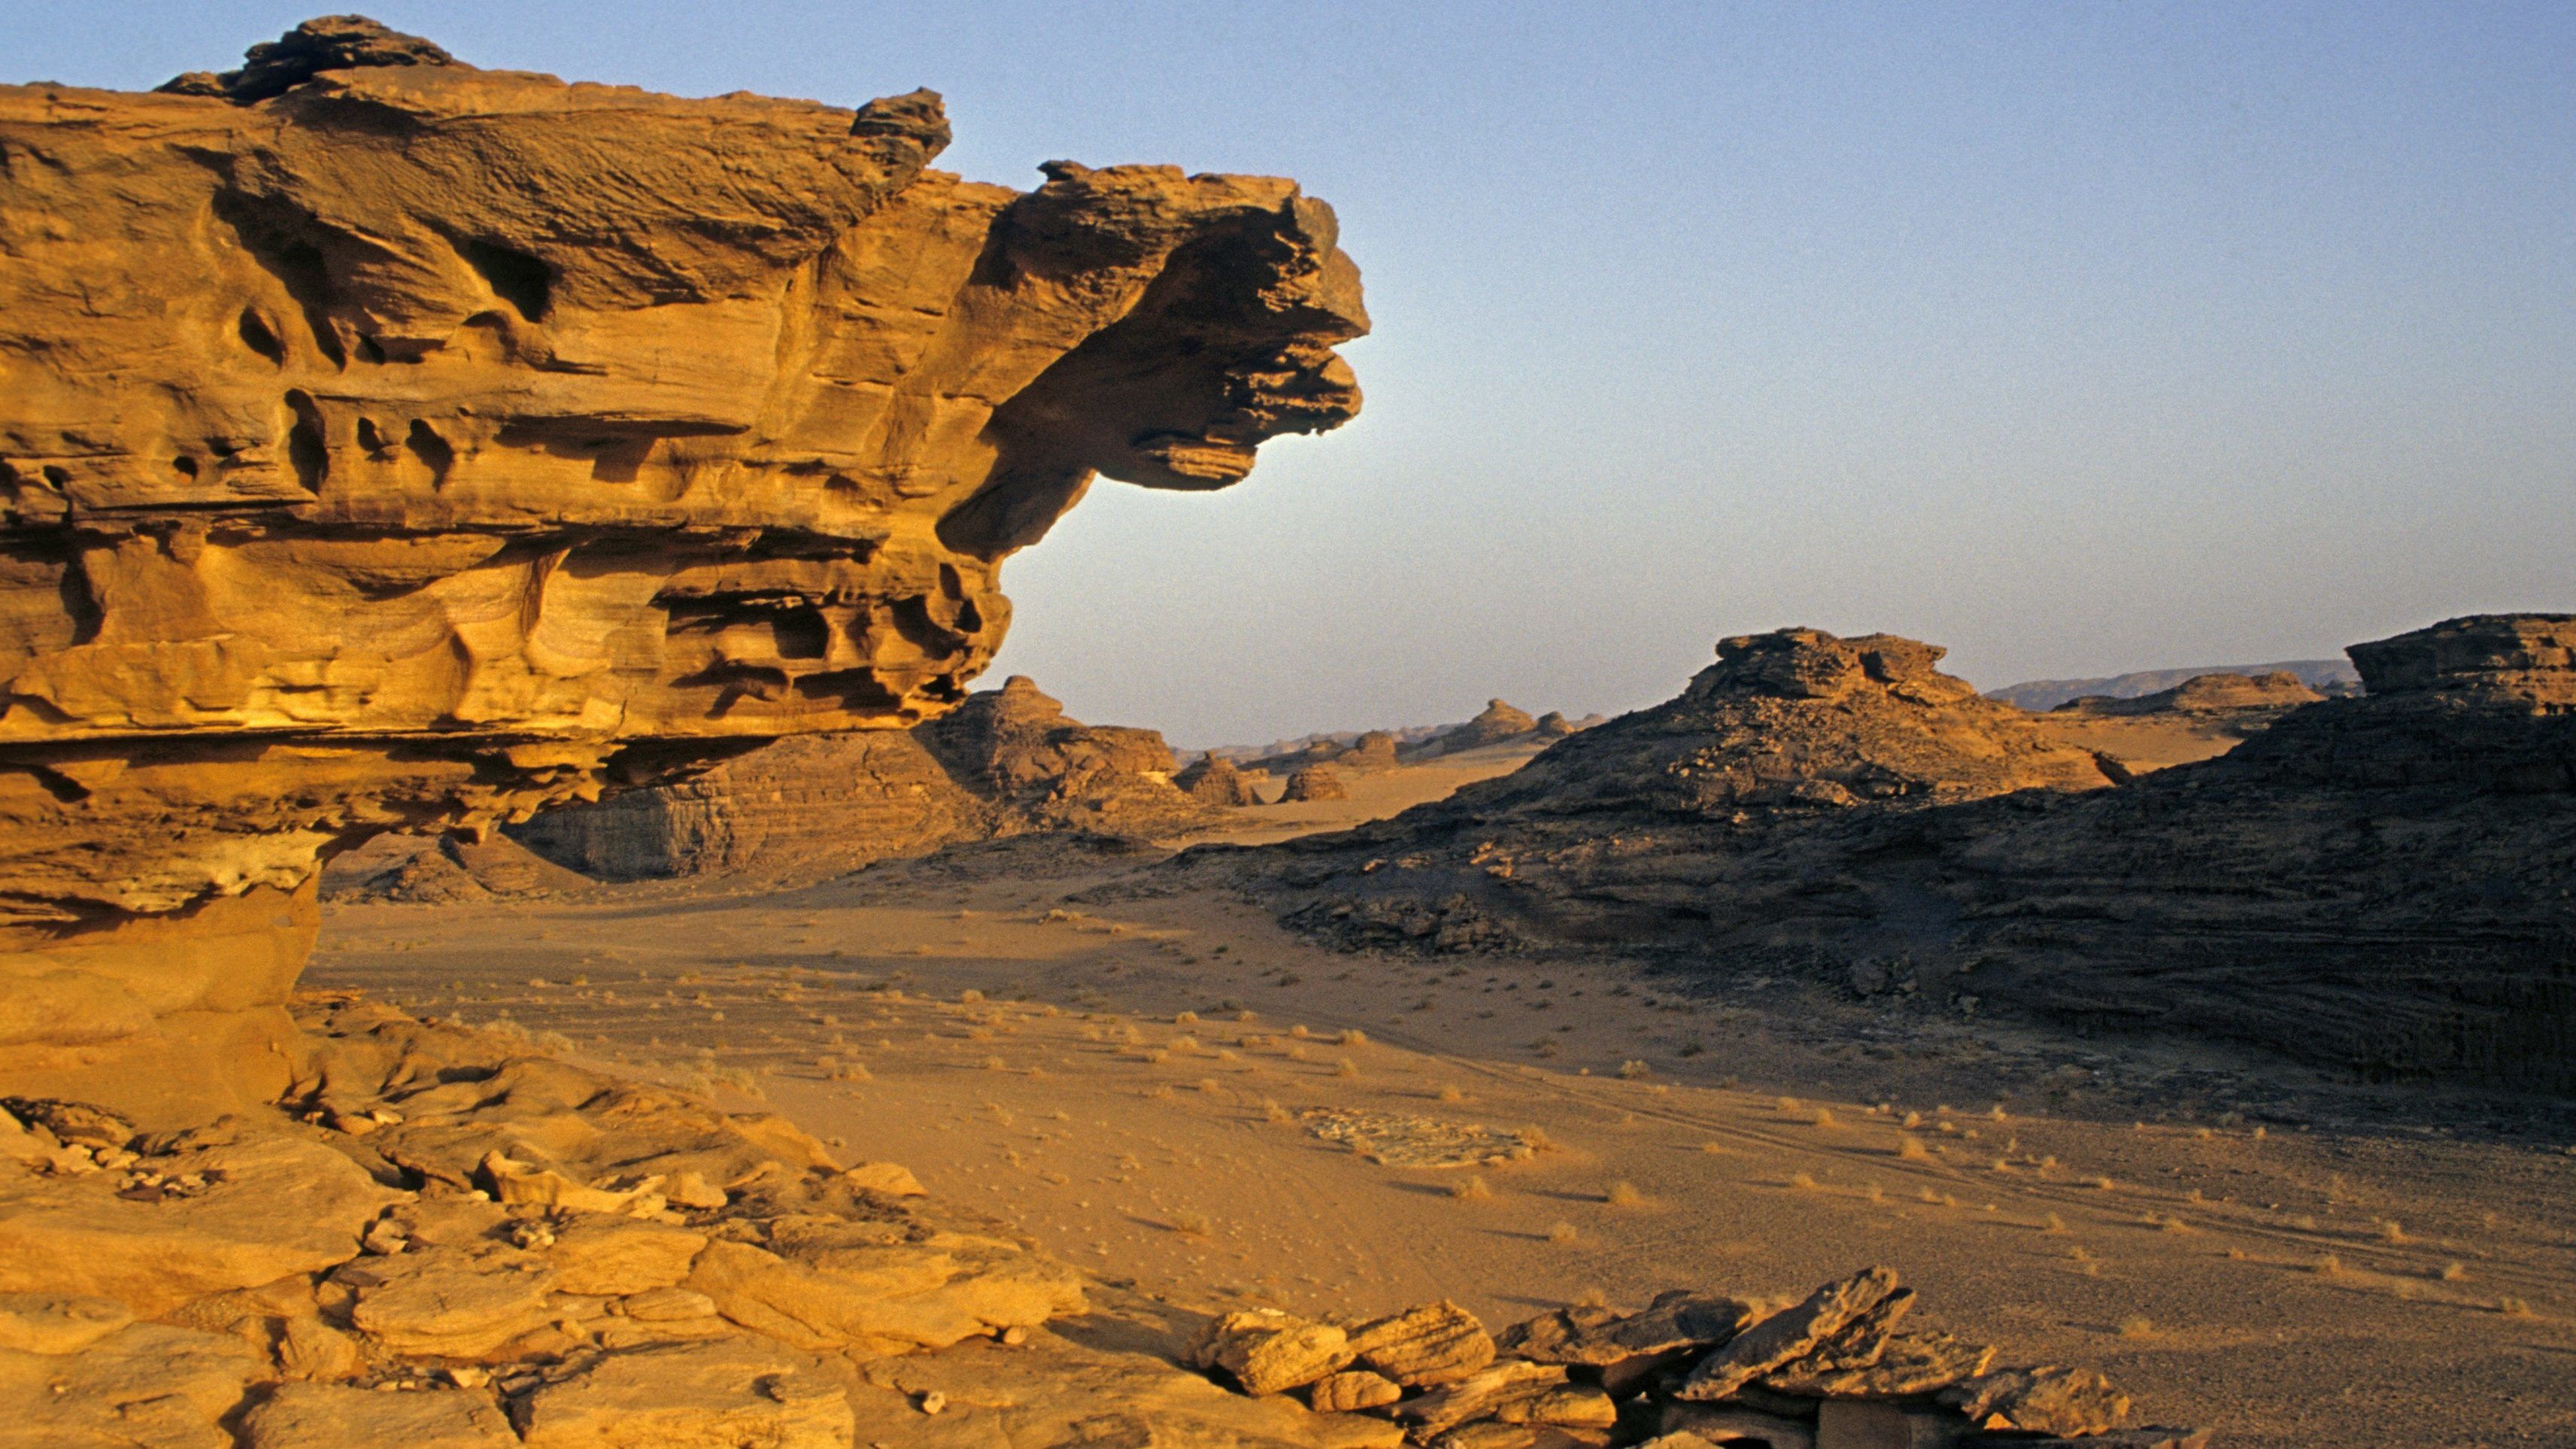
[1139, 1084]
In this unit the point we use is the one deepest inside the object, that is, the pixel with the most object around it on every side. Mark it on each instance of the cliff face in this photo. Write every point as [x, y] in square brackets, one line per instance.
[391, 444]
[1006, 762]
[2374, 884]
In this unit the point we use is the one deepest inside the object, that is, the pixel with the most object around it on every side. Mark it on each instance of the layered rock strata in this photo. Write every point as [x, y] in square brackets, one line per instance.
[1006, 762]
[393, 444]
[2374, 884]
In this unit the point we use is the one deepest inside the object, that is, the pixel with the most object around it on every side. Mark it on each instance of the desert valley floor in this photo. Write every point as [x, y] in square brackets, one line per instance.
[1160, 1087]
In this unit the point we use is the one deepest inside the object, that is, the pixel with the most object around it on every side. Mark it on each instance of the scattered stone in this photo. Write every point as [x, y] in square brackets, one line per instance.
[1392, 1139]
[1435, 1344]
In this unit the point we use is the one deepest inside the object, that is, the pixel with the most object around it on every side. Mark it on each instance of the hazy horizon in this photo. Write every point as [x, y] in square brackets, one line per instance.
[2078, 340]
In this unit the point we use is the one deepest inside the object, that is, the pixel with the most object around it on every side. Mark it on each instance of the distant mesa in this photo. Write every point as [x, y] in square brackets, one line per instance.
[2325, 676]
[2205, 694]
[2374, 884]
[1496, 723]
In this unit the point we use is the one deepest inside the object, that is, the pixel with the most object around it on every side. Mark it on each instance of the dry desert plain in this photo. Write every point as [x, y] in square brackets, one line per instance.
[1160, 1087]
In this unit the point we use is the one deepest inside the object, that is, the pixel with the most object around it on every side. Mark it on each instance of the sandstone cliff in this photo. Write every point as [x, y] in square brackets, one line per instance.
[392, 444]
[2374, 884]
[1006, 762]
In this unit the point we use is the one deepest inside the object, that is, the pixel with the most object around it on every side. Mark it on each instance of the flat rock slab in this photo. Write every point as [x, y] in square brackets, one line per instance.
[149, 1385]
[333, 1416]
[1051, 1391]
[1392, 1139]
[723, 1394]
[271, 1206]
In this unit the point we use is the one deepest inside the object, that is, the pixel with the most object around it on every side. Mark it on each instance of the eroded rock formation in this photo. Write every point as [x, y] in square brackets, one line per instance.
[393, 444]
[2375, 884]
[1006, 762]
[2206, 694]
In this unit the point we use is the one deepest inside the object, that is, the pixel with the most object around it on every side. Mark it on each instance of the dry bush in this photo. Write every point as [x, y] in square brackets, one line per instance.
[1186, 1018]
[1191, 1225]
[1472, 1189]
[1346, 1068]
[1449, 1093]
[1563, 1235]
[1352, 1036]
[1911, 1149]
[1633, 1069]
[1624, 1195]
[1804, 1182]
[2136, 1325]
[2453, 1272]
[1273, 1112]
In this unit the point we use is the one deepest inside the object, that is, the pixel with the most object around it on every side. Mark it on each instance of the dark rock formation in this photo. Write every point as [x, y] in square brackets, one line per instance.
[2374, 884]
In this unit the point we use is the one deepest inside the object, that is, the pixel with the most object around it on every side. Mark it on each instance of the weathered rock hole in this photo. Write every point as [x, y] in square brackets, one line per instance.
[306, 451]
[369, 349]
[60, 477]
[260, 337]
[426, 445]
[515, 277]
[370, 437]
[184, 466]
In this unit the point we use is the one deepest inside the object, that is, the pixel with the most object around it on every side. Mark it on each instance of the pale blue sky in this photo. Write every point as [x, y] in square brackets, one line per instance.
[2080, 338]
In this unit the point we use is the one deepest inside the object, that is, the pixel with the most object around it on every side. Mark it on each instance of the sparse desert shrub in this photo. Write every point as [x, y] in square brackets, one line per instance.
[1632, 1069]
[2453, 1272]
[1449, 1093]
[1563, 1235]
[2329, 1266]
[2054, 1224]
[1537, 1139]
[1471, 1189]
[1299, 1031]
[1804, 1182]
[1352, 1036]
[1346, 1068]
[1824, 1118]
[995, 1064]
[970, 996]
[1624, 1195]
[2514, 1308]
[1208, 1085]
[1186, 1018]
[2136, 1325]
[1911, 1149]
[1191, 1225]
[2393, 1233]
[1273, 1112]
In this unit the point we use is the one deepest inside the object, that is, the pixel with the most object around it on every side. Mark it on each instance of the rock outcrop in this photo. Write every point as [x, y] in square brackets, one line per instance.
[1492, 725]
[1213, 780]
[1005, 762]
[1315, 782]
[2373, 884]
[392, 444]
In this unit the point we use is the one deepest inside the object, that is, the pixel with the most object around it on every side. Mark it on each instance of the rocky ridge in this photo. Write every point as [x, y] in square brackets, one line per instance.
[1005, 762]
[393, 444]
[2373, 884]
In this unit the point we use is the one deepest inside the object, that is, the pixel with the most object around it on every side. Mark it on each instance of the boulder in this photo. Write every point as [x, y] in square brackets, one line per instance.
[51, 1323]
[616, 1257]
[451, 1302]
[1437, 1343]
[2047, 1400]
[146, 1385]
[1480, 1395]
[1787, 1335]
[1269, 1352]
[1212, 779]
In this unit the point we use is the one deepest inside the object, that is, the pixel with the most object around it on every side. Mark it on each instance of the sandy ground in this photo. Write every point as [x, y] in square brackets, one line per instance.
[1135, 1081]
